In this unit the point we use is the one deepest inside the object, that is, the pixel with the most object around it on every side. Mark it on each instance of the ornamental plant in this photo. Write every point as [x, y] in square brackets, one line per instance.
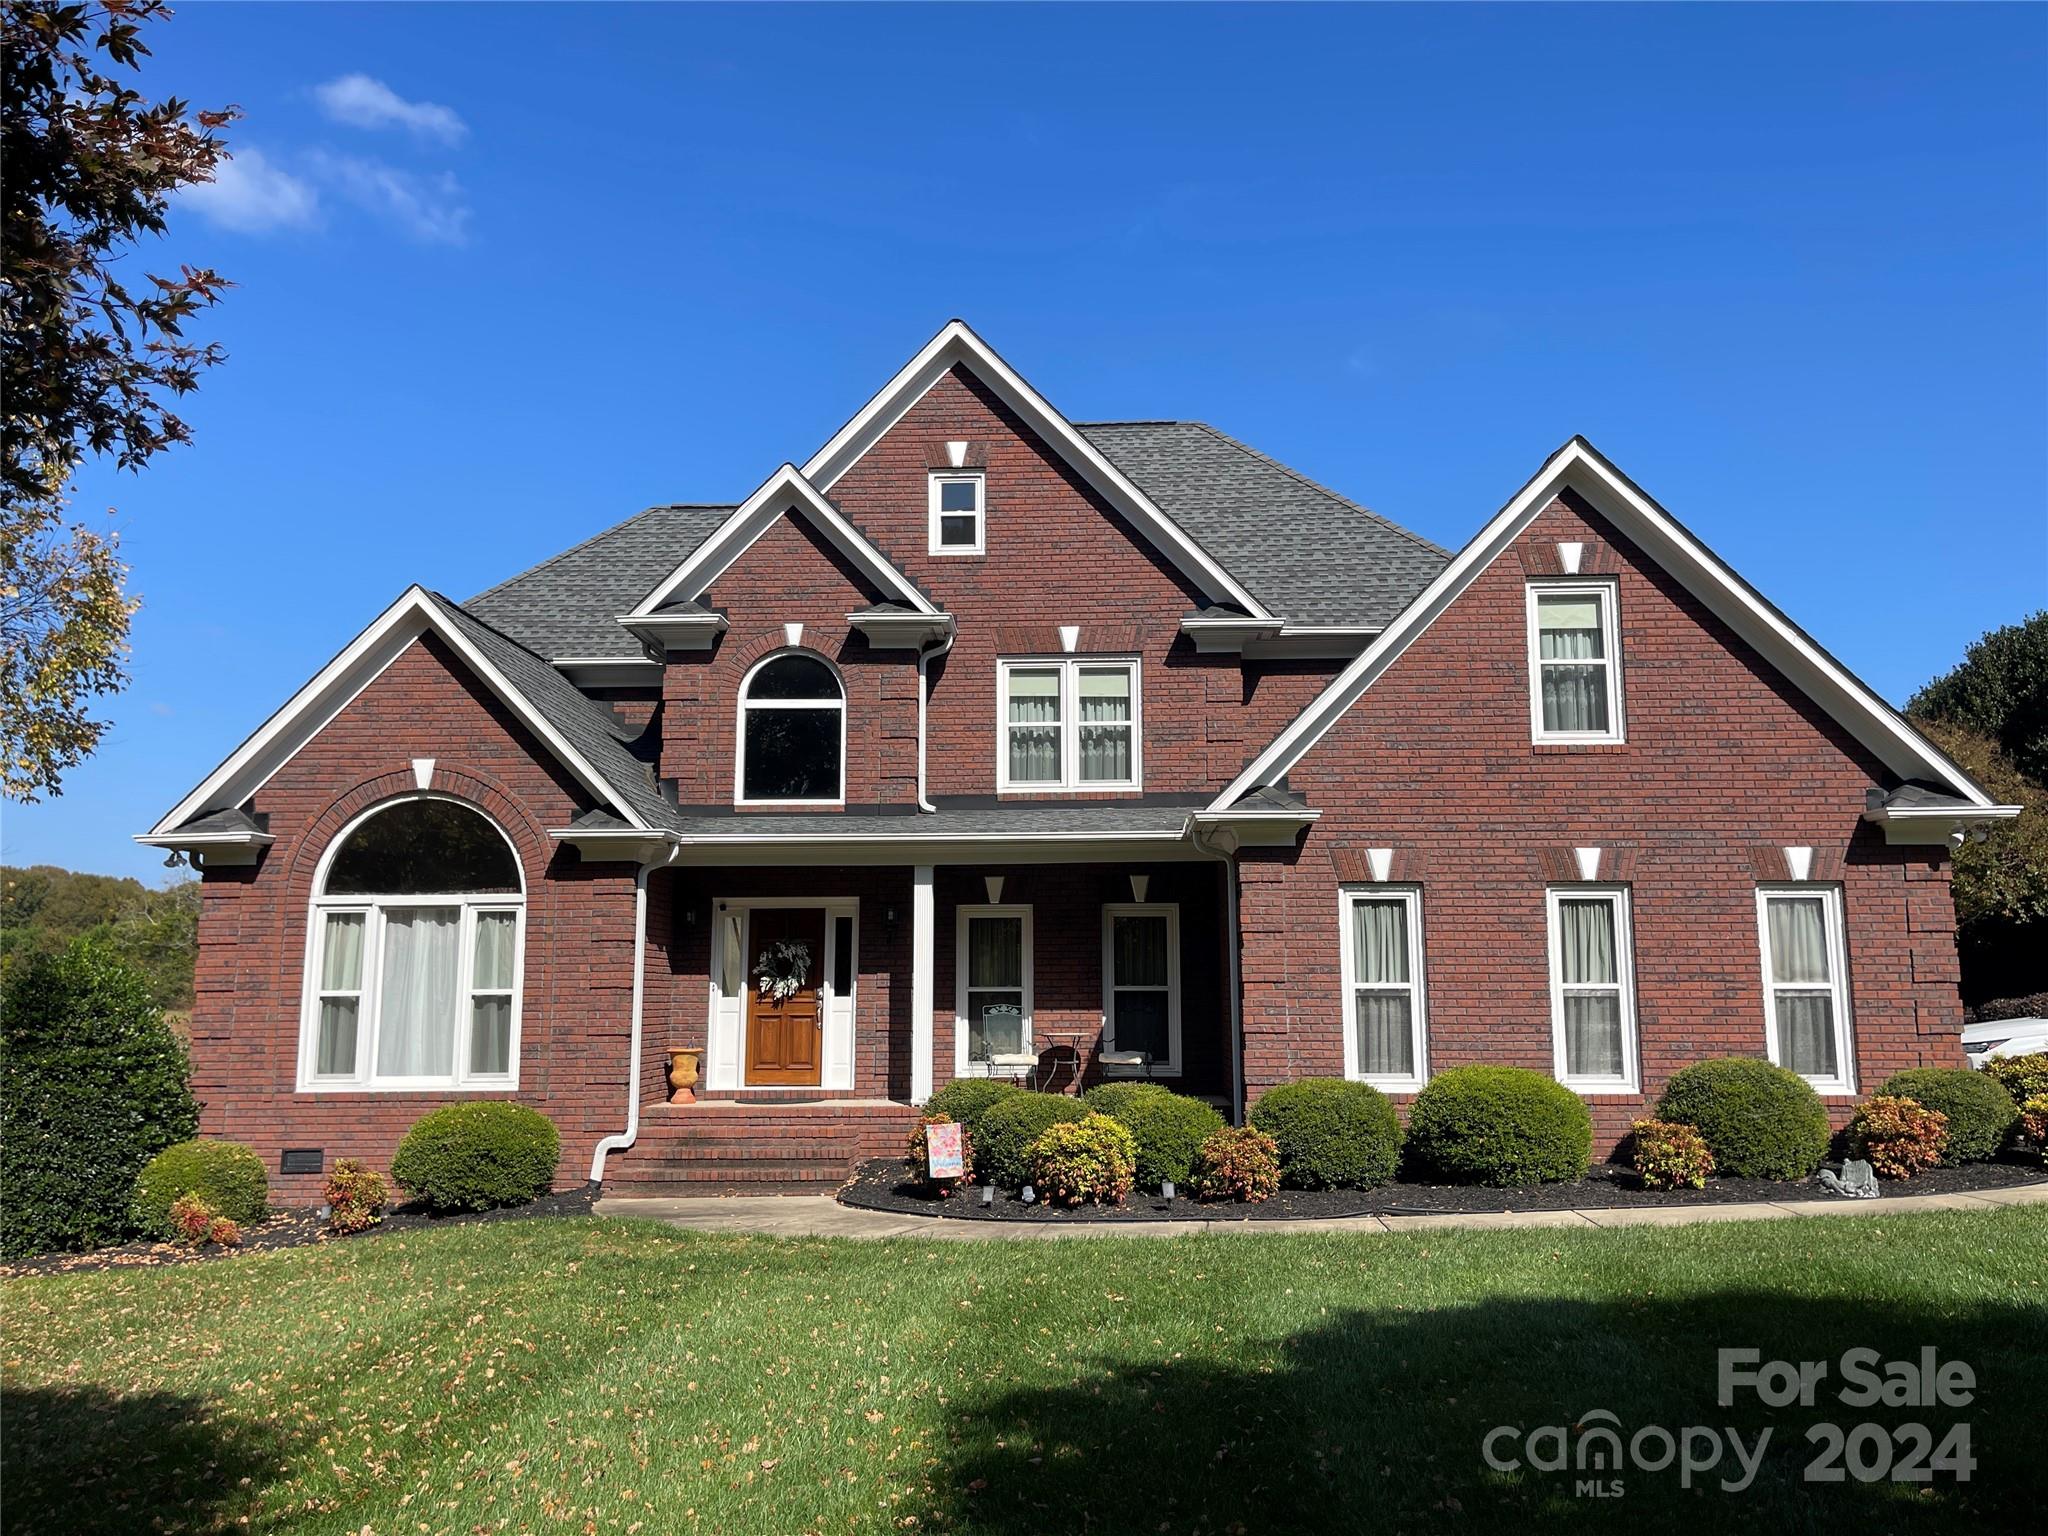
[1238, 1163]
[1668, 1155]
[1501, 1126]
[1092, 1159]
[1006, 1131]
[1761, 1121]
[1332, 1133]
[355, 1196]
[918, 1159]
[471, 1157]
[1169, 1127]
[967, 1099]
[224, 1232]
[2024, 1077]
[191, 1218]
[2034, 1122]
[1980, 1112]
[1898, 1136]
[229, 1176]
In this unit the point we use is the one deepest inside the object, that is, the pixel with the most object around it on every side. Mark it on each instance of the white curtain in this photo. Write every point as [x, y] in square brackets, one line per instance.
[1034, 727]
[1574, 697]
[1105, 726]
[995, 987]
[417, 1001]
[341, 970]
[1592, 1020]
[494, 950]
[1379, 955]
[1799, 958]
[490, 1026]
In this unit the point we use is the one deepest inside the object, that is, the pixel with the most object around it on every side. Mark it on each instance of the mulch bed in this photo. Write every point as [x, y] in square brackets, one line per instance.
[290, 1229]
[882, 1185]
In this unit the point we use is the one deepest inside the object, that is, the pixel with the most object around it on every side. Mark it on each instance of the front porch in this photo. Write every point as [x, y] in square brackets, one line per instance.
[827, 1001]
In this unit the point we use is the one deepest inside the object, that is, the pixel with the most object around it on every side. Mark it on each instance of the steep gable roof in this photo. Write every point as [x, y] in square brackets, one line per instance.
[1580, 467]
[1309, 554]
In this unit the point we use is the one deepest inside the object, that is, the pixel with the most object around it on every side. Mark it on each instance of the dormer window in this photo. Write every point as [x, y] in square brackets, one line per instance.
[957, 519]
[1574, 664]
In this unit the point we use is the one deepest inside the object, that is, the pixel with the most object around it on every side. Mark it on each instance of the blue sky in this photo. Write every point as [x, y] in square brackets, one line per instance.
[508, 275]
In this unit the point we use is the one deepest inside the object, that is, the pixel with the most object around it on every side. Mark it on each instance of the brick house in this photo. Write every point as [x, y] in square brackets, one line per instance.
[989, 743]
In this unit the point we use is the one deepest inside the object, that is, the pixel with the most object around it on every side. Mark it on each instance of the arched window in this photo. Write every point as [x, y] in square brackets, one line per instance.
[792, 733]
[414, 953]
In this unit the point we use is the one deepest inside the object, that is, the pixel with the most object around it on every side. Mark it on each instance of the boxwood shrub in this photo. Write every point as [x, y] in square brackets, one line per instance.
[1169, 1127]
[1760, 1121]
[1500, 1125]
[1980, 1112]
[471, 1157]
[967, 1099]
[228, 1176]
[1002, 1149]
[93, 1084]
[1332, 1133]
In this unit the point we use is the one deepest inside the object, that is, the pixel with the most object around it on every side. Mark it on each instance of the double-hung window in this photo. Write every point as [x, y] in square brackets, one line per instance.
[1141, 982]
[993, 1007]
[414, 954]
[1806, 1000]
[1592, 989]
[1382, 976]
[1574, 663]
[1069, 724]
[959, 520]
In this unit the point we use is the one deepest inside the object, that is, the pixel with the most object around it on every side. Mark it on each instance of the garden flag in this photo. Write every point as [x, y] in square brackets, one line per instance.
[942, 1150]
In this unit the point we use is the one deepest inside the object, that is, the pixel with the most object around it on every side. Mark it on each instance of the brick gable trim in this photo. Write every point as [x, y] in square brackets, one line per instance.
[1580, 468]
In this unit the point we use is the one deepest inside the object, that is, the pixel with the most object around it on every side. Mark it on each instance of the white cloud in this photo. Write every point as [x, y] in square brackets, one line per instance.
[250, 194]
[363, 102]
[428, 206]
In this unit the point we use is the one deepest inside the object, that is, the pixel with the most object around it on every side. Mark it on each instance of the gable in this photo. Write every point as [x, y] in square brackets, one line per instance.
[1664, 542]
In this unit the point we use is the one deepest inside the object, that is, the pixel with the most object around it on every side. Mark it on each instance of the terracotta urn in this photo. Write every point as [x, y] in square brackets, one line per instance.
[682, 1075]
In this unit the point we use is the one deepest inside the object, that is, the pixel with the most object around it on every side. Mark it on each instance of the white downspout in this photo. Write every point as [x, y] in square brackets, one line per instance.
[924, 659]
[621, 1140]
[1231, 941]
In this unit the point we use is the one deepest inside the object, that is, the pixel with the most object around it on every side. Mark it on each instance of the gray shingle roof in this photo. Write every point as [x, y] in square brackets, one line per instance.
[598, 734]
[1308, 554]
[570, 605]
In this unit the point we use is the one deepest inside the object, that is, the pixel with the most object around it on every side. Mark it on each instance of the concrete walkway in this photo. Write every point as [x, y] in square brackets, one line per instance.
[822, 1216]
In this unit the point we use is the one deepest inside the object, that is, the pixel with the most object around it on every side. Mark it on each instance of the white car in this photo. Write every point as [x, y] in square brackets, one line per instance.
[2004, 1037]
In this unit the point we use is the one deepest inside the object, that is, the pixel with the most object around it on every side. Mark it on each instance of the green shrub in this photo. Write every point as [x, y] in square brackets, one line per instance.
[1760, 1121]
[1238, 1163]
[1500, 1125]
[2033, 1006]
[2034, 1122]
[1332, 1134]
[1002, 1153]
[2024, 1077]
[1668, 1155]
[1093, 1158]
[355, 1196]
[93, 1084]
[228, 1176]
[1169, 1127]
[967, 1099]
[1897, 1136]
[470, 1157]
[1980, 1112]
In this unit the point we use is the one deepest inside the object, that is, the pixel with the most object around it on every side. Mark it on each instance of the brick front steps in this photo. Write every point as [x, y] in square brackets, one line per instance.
[717, 1147]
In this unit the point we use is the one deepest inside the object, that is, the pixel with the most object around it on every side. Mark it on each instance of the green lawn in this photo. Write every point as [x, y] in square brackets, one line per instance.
[606, 1376]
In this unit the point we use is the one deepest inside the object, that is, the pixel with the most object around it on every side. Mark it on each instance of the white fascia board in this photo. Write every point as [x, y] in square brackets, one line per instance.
[676, 631]
[1927, 825]
[1579, 467]
[615, 844]
[897, 631]
[784, 491]
[957, 343]
[609, 671]
[278, 740]
[1110, 847]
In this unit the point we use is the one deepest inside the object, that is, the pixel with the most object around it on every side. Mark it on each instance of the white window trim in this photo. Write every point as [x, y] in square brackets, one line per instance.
[1170, 1064]
[743, 704]
[1069, 669]
[979, 479]
[368, 1005]
[1607, 595]
[1624, 950]
[962, 1067]
[1410, 896]
[1838, 979]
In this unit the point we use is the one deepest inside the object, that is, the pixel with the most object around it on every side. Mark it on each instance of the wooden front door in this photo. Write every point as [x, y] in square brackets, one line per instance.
[785, 1036]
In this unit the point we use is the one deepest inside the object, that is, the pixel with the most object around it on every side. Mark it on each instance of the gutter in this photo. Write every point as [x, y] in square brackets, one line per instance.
[924, 659]
[621, 1140]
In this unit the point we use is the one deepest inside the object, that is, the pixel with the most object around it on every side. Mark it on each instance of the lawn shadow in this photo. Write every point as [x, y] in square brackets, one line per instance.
[82, 1461]
[1374, 1421]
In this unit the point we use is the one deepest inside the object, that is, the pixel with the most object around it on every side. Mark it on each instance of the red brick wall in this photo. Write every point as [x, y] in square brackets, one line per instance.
[252, 933]
[1724, 764]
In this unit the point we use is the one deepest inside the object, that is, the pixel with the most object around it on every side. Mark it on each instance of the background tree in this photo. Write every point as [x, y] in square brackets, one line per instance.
[87, 363]
[2001, 691]
[43, 909]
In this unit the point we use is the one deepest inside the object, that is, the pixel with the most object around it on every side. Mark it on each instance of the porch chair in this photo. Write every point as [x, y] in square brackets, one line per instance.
[1127, 1063]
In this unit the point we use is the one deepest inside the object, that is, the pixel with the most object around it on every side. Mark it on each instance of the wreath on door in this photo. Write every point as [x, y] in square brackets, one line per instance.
[781, 970]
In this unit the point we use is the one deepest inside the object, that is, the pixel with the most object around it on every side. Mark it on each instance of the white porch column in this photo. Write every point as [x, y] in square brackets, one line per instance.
[922, 927]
